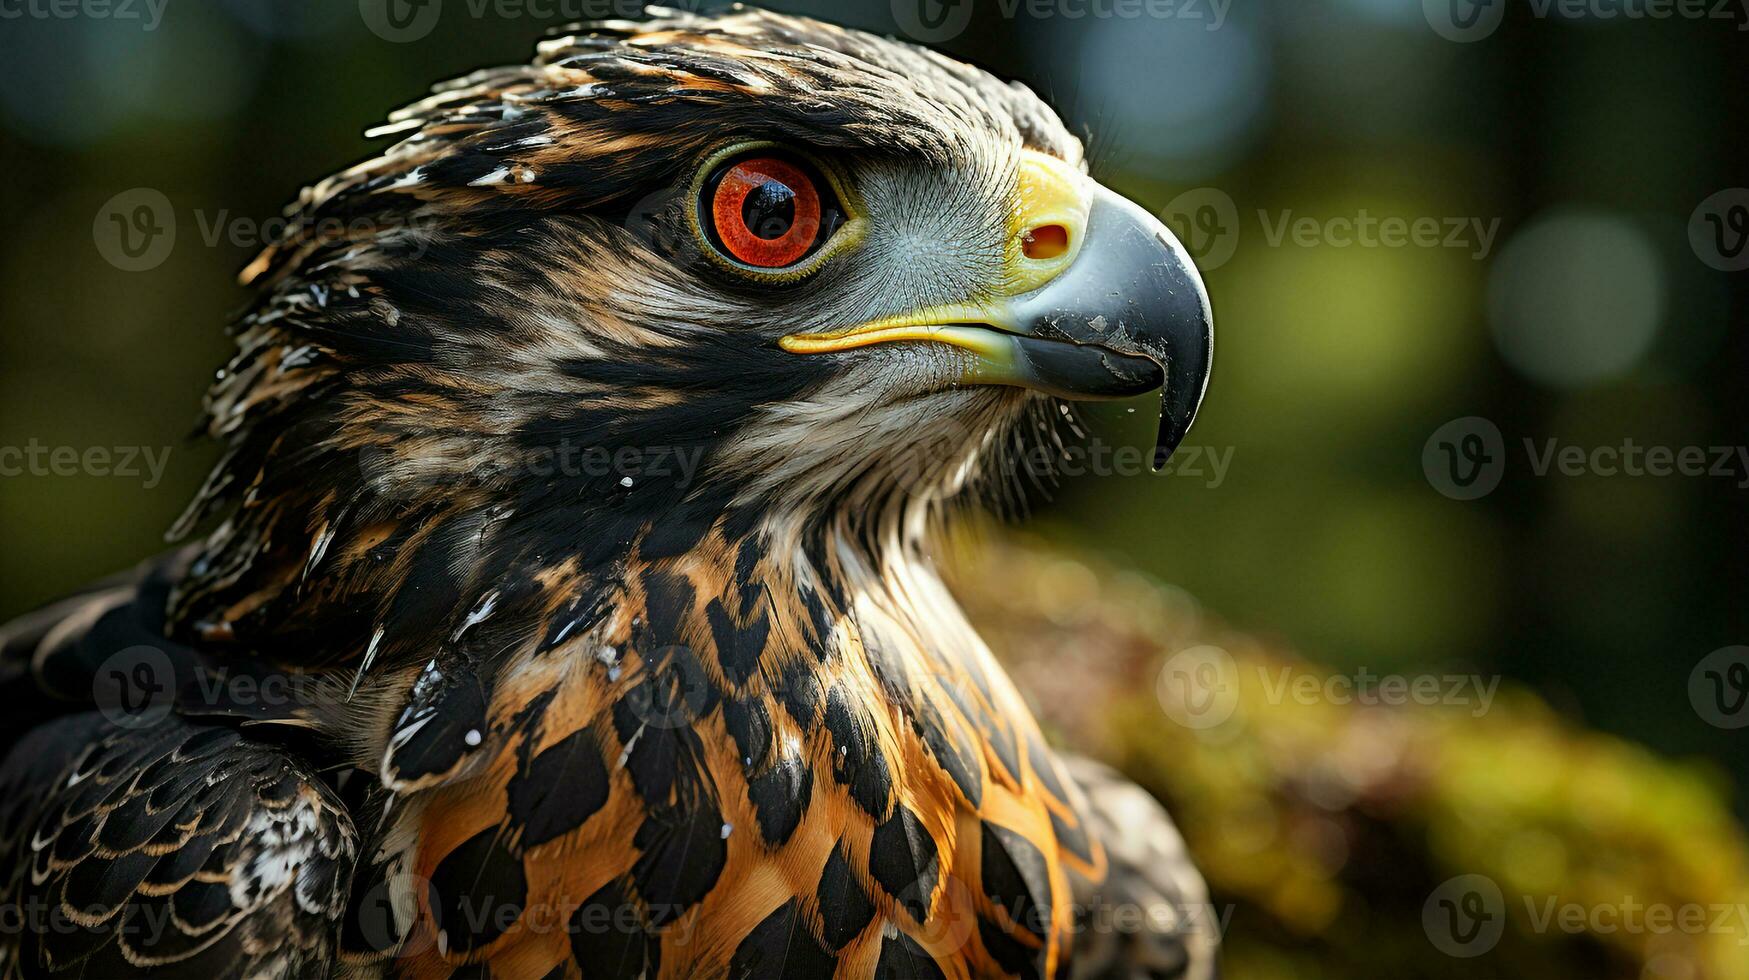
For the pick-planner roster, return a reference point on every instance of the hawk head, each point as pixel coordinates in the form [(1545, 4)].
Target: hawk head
[(744, 270)]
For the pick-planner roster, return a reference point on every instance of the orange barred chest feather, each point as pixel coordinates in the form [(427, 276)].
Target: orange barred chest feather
[(750, 774)]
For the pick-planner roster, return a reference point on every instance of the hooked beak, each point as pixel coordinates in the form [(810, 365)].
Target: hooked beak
[(1118, 311)]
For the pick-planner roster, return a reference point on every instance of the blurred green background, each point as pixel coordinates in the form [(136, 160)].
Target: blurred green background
[(1587, 314)]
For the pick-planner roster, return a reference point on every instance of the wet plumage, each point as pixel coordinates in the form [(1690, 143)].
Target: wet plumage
[(557, 613)]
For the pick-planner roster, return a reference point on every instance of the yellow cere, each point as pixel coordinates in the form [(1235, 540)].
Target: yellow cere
[(1051, 198)]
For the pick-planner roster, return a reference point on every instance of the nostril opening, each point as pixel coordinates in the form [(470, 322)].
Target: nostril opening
[(1046, 242)]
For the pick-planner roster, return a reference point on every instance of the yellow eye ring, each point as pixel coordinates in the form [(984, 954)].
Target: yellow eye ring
[(700, 215)]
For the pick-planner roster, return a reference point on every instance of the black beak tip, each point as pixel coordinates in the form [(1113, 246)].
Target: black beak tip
[(1188, 366), (1172, 433)]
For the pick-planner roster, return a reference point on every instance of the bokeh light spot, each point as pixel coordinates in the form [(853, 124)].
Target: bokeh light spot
[(1575, 298), (1213, 86)]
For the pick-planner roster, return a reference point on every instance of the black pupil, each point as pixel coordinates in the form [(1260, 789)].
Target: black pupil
[(769, 210)]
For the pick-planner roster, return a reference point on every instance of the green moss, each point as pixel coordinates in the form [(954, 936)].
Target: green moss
[(1327, 826)]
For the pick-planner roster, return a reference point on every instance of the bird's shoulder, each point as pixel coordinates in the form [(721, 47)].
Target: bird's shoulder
[(170, 847)]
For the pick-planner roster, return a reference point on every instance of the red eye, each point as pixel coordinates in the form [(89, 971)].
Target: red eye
[(767, 212)]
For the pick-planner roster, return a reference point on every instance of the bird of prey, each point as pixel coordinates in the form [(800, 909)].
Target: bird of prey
[(562, 604)]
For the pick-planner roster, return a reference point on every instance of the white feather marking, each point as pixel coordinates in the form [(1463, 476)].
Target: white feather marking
[(411, 178), (391, 128), (286, 842), (370, 656), (481, 613)]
